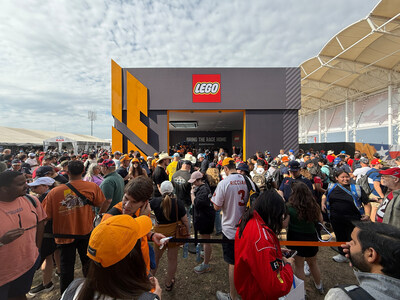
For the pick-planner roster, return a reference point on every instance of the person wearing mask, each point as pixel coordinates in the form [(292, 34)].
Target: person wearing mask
[(204, 215), (345, 202), (261, 271), (117, 269), (168, 211)]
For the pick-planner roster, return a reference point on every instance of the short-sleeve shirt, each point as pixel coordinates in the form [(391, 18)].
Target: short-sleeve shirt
[(171, 169), (360, 172), (231, 194), (180, 181), (17, 257), (159, 176), (373, 176), (342, 203), (155, 205), (123, 172), (113, 188), (66, 209)]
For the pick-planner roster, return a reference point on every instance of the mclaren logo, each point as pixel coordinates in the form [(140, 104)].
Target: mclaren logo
[(206, 88)]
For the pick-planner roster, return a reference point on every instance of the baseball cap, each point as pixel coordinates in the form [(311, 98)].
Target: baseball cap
[(285, 159), (187, 162), (195, 175), (176, 155), (337, 160), (156, 154), (375, 162), (43, 171), (200, 155), (364, 160), (294, 165), (243, 167), (15, 162), (105, 153), (113, 239), (166, 187), (84, 155), (124, 157), (392, 172), (134, 160), (227, 161), (42, 180), (31, 154), (117, 152), (107, 163), (342, 152), (291, 150)]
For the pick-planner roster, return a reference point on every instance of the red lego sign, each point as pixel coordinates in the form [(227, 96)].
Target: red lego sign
[(206, 87)]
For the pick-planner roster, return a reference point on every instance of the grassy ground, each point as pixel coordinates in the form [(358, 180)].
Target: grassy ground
[(190, 285)]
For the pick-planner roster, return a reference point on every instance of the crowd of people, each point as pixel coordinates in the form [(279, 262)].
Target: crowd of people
[(119, 211)]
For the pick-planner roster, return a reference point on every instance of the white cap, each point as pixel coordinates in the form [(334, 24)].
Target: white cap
[(166, 187), (42, 180)]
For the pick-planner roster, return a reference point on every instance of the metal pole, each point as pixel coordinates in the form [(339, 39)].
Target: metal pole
[(354, 122), (326, 127), (319, 125), (346, 112), (390, 130)]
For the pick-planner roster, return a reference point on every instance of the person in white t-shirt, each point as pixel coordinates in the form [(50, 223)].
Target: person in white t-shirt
[(364, 162), (231, 196)]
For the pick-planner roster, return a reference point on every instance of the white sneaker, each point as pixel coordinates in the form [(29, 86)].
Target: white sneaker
[(306, 269), (319, 287), (340, 258), (223, 296)]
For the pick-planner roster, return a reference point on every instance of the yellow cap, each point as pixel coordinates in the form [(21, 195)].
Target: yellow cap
[(227, 161), (113, 239)]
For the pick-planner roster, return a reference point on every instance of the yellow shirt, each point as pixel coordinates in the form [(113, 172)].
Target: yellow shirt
[(171, 169)]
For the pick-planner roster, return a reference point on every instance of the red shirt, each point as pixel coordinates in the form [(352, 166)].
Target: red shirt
[(259, 270), (330, 158)]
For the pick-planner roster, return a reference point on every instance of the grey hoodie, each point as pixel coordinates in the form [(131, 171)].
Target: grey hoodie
[(379, 286)]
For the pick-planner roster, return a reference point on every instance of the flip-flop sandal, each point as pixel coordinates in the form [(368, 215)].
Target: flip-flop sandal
[(168, 288)]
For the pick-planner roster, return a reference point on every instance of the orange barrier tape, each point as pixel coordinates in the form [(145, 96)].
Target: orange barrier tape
[(315, 244)]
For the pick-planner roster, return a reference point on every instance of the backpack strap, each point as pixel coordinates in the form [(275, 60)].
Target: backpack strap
[(29, 197), (72, 289), (355, 292), (85, 200)]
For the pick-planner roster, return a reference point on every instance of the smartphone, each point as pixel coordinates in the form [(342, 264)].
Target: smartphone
[(289, 254)]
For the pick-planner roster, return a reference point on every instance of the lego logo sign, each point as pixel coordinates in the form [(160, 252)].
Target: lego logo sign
[(206, 87)]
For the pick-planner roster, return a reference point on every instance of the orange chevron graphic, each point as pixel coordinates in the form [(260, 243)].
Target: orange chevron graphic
[(117, 137), (116, 91)]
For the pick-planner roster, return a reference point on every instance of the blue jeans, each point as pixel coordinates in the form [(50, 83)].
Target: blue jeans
[(218, 225)]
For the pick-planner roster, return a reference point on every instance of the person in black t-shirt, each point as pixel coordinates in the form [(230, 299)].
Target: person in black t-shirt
[(159, 174), (123, 168)]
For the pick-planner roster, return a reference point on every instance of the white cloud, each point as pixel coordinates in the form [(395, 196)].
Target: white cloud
[(55, 55)]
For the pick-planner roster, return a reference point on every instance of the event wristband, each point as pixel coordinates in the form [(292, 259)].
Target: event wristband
[(151, 236)]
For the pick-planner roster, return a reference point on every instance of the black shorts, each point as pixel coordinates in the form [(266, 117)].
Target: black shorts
[(49, 246), (21, 285), (303, 251), (229, 251)]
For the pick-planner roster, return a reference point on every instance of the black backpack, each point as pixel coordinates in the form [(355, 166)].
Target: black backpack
[(355, 292)]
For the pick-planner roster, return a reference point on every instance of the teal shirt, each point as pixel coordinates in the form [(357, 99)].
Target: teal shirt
[(113, 188), (299, 225)]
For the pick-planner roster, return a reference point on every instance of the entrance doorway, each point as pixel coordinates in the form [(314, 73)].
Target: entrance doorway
[(207, 129)]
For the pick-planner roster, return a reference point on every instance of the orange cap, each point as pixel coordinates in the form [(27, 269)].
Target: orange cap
[(124, 157), (134, 160), (113, 239), (285, 159), (227, 160)]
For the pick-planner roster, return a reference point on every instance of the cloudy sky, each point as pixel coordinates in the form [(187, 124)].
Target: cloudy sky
[(55, 55)]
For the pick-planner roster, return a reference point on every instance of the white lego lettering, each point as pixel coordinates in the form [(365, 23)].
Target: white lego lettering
[(206, 88)]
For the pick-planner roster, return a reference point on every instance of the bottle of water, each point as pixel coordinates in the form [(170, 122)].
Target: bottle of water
[(185, 250), (198, 249)]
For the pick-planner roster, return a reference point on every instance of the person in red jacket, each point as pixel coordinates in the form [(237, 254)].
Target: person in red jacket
[(261, 272)]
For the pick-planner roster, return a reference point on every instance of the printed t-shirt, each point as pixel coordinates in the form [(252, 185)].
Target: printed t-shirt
[(380, 213), (373, 176), (66, 209), (171, 169), (17, 257), (180, 181), (231, 194)]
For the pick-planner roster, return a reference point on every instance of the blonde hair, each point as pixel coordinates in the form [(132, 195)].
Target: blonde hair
[(166, 205), (89, 175)]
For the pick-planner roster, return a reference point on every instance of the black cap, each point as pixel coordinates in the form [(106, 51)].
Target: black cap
[(294, 166), (243, 167), (44, 170)]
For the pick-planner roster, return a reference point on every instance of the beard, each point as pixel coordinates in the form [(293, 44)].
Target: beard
[(358, 261)]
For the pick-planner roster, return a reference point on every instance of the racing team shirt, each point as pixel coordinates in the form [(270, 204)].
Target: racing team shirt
[(231, 194), (380, 213)]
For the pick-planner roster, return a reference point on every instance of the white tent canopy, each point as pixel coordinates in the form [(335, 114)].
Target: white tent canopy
[(28, 137)]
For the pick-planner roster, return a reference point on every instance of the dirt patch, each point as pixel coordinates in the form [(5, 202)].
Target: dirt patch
[(190, 285)]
